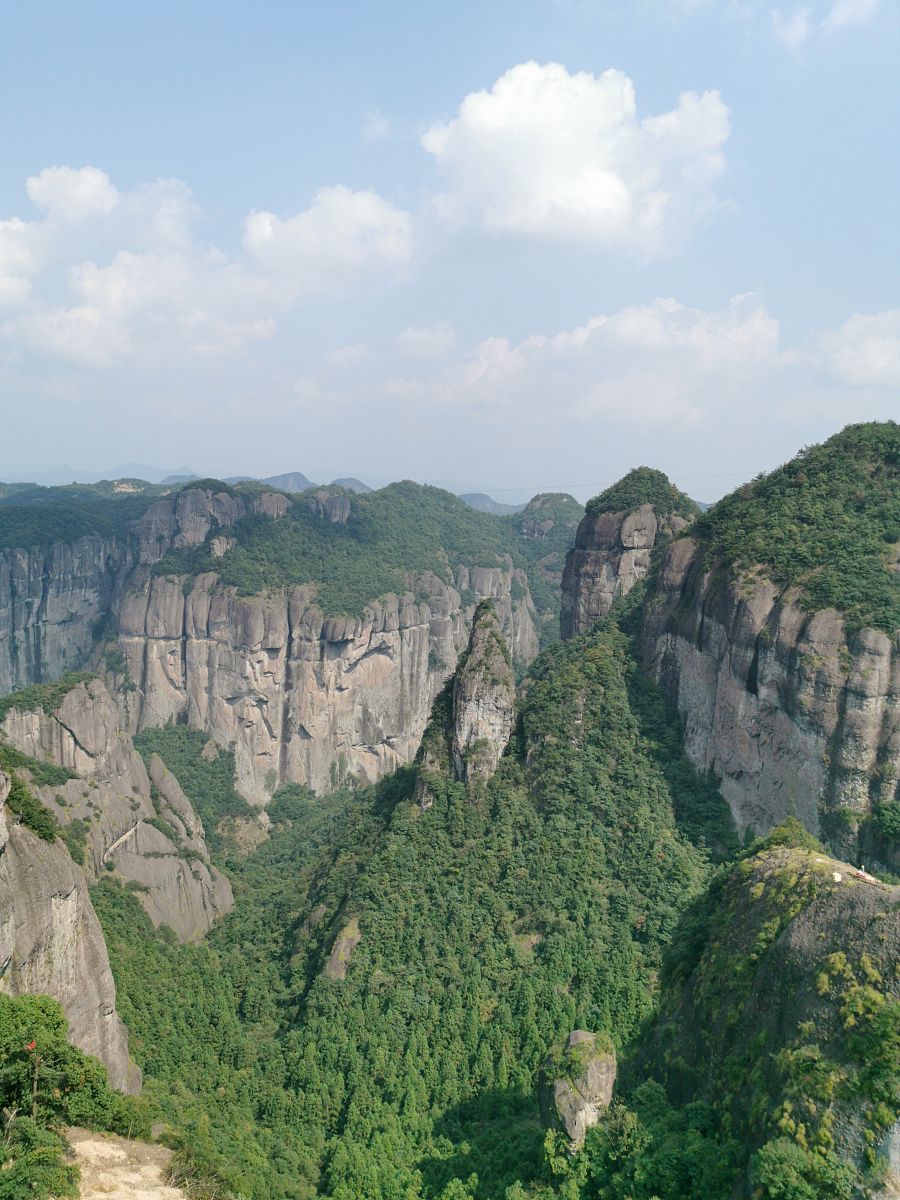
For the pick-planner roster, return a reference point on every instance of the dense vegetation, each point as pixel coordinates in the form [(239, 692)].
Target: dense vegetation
[(206, 777), (46, 1084), (361, 1026), (828, 522), (38, 516), (401, 530), (754, 1086), (643, 485)]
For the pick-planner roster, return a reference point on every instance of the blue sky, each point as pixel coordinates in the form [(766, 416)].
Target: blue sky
[(442, 241)]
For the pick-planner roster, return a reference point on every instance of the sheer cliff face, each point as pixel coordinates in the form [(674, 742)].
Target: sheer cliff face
[(611, 554), (51, 942), (304, 698), (140, 825), (50, 603), (796, 716)]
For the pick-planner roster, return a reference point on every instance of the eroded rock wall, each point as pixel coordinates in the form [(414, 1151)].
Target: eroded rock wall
[(305, 698), (140, 824), (51, 942), (611, 554), (794, 714)]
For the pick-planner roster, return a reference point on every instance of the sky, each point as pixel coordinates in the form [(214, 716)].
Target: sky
[(510, 246)]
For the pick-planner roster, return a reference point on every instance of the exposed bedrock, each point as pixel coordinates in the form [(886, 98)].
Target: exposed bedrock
[(794, 714), (611, 554), (140, 824), (51, 943), (302, 697)]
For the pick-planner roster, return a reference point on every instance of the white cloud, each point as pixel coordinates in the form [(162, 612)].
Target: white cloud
[(667, 373), (865, 350), (554, 154), (73, 194), (427, 342), (339, 237), (846, 13), (105, 277), (791, 30)]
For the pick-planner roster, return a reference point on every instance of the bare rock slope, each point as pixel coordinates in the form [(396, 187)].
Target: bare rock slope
[(51, 942), (137, 823)]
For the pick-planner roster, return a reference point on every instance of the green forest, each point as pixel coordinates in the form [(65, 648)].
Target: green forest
[(547, 903), (372, 1019), (828, 523)]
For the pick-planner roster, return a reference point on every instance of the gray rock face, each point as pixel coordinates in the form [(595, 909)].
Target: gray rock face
[(51, 942), (611, 554), (574, 1100), (151, 836), (797, 717), (50, 603), (484, 701), (305, 698)]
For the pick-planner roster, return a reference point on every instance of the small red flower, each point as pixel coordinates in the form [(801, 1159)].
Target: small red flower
[(30, 1045)]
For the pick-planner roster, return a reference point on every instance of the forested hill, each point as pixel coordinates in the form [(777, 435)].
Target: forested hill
[(827, 522)]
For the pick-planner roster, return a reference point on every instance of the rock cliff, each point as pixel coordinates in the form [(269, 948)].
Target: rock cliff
[(302, 697), (614, 544), (796, 714), (122, 818), (51, 942), (577, 1085)]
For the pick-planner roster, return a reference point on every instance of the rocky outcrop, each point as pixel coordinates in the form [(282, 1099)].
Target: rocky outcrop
[(796, 953), (141, 825), (577, 1085), (51, 942), (184, 520), (484, 701), (302, 697), (795, 715), (611, 554)]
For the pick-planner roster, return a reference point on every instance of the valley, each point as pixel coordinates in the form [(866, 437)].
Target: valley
[(327, 818)]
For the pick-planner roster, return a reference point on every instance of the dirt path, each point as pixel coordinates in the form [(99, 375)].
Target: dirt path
[(114, 1168)]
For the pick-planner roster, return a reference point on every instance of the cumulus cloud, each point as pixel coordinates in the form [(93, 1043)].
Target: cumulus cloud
[(666, 376), (348, 356), (865, 350), (432, 341), (73, 194), (794, 29), (104, 277), (339, 237), (562, 155)]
